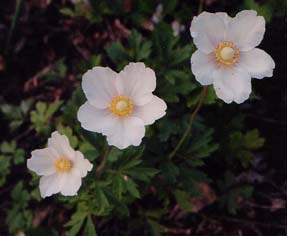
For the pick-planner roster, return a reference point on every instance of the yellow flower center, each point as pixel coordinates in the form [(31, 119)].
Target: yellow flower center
[(226, 53), (63, 165), (121, 106)]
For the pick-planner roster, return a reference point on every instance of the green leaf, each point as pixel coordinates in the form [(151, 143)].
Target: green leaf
[(19, 156), (142, 173), (102, 201), (252, 140), (136, 50), (180, 55), (117, 52), (211, 97), (232, 192), (203, 145), (163, 41), (190, 178), (114, 154), (89, 229), (131, 164), (19, 217), (40, 117), (69, 133), (170, 171), (4, 169), (76, 222), (41, 107), (68, 12), (77, 217), (8, 148), (76, 227), (52, 108), (118, 186), (14, 115), (132, 188), (183, 199), (169, 6), (89, 151), (71, 108), (12, 152), (265, 9), (156, 228), (139, 50), (174, 75)]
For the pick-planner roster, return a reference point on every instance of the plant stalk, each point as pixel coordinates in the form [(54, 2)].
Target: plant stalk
[(19, 4), (105, 155), (192, 116), (200, 7)]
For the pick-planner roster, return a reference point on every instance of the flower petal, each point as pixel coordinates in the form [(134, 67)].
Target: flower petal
[(207, 30), (138, 82), (93, 119), (82, 164), (232, 85), (73, 182), (224, 16), (151, 111), (42, 161), (51, 184), (202, 66), (246, 30), (258, 63), (61, 145), (99, 86), (128, 131)]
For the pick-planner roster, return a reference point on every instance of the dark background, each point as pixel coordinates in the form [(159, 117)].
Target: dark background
[(42, 36)]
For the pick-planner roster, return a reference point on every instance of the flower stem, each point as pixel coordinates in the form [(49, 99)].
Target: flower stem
[(105, 155), (19, 4), (192, 116), (200, 7)]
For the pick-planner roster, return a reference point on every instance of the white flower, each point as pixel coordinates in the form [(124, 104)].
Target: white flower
[(61, 167), (156, 17), (226, 55), (120, 104), (177, 27)]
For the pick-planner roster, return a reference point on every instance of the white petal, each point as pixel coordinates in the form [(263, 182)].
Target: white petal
[(128, 131), (232, 85), (138, 82), (61, 144), (42, 161), (82, 164), (99, 86), (73, 182), (152, 111), (224, 16), (258, 63), (246, 30), (93, 119), (207, 30), (51, 184), (203, 66)]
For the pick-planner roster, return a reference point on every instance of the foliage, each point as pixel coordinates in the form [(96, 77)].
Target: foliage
[(268, 9), (40, 118), (9, 155), (19, 216)]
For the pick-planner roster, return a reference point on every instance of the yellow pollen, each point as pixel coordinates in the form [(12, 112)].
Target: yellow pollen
[(63, 165), (121, 106), (226, 53)]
